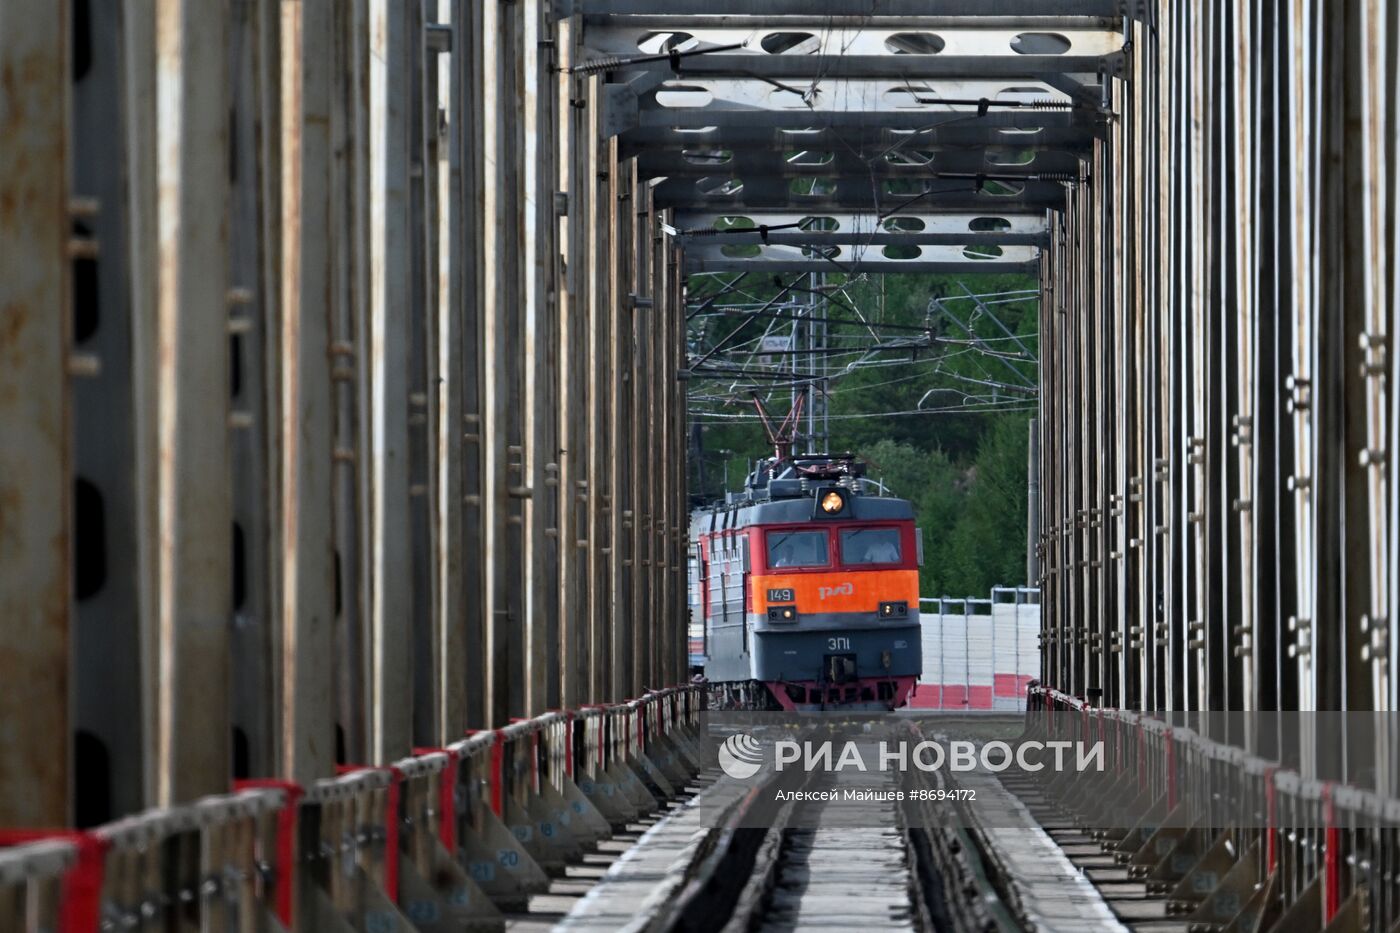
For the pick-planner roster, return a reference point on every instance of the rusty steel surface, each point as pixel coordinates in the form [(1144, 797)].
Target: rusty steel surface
[(1233, 278), (35, 498), (356, 411), (192, 366), (308, 576), (339, 344)]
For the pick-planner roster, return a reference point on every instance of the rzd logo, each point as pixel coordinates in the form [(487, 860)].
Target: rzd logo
[(842, 589), (740, 756)]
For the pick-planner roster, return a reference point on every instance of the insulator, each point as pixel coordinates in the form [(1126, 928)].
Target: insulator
[(598, 65), (1048, 103)]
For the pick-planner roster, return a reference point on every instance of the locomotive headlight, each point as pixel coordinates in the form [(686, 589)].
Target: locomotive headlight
[(782, 613), (832, 502)]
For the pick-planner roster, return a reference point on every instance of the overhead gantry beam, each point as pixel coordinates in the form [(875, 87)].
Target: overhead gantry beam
[(854, 258), (793, 228), (855, 9), (722, 193), (908, 161), (799, 134), (912, 103), (808, 47), (886, 111)]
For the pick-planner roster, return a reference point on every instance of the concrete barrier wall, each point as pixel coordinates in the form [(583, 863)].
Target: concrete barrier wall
[(979, 653)]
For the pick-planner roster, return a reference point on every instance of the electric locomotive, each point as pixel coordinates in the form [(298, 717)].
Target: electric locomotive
[(805, 590)]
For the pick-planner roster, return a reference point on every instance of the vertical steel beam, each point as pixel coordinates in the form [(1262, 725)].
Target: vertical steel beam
[(194, 506), (663, 618), (105, 650), (35, 482), (1199, 615), (1360, 321), (307, 611), (634, 260), (469, 65), (600, 489), (389, 654), (423, 144), (496, 244), (1374, 189), (1299, 382), (680, 478), (139, 87), (620, 374), (452, 650), (541, 621), (575, 142), (666, 618), (1241, 637), (254, 232), (500, 314), (349, 171)]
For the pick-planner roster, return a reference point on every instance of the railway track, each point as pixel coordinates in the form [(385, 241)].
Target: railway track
[(788, 857), (835, 876), (785, 855)]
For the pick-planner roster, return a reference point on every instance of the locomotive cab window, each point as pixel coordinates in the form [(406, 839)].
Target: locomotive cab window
[(797, 549), (871, 546)]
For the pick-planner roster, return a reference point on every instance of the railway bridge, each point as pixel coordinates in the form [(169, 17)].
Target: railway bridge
[(345, 350)]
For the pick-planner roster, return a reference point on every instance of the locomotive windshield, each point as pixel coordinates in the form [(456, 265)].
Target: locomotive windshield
[(797, 549), (870, 546)]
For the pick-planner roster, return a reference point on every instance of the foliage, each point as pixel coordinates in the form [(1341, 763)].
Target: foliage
[(942, 421)]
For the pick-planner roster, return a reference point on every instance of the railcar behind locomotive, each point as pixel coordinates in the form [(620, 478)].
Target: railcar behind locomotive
[(805, 590)]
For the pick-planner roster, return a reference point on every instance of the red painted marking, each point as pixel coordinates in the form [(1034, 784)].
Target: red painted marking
[(1010, 685), (286, 843), (569, 744), (391, 824), (80, 906), (926, 696)]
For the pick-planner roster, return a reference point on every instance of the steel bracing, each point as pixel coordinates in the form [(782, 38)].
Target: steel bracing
[(345, 355)]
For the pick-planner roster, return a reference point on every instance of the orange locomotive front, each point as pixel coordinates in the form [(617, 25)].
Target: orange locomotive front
[(806, 591)]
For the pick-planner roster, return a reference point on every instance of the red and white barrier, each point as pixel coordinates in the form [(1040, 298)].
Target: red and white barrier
[(447, 838), (1222, 833), (978, 654)]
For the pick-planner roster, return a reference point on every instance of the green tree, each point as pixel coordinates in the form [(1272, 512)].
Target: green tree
[(926, 384), (987, 546)]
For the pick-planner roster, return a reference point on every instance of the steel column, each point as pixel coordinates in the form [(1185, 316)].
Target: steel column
[(35, 485), (389, 654)]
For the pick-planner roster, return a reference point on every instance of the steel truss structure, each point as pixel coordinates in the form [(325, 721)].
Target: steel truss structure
[(338, 403), (1218, 498), (339, 346)]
